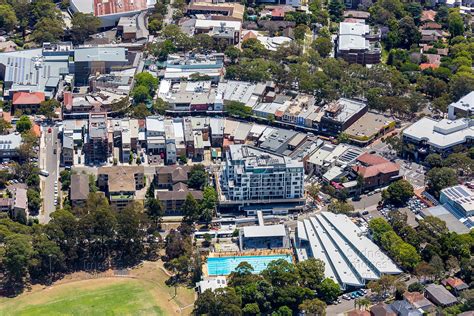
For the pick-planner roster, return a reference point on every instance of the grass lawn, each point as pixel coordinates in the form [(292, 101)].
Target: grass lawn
[(145, 294)]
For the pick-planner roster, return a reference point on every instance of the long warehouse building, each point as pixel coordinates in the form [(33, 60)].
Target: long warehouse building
[(351, 259)]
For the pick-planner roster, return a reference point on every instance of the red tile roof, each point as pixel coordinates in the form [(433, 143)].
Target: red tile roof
[(370, 159), (26, 98), (428, 15), (428, 65), (373, 165), (358, 312)]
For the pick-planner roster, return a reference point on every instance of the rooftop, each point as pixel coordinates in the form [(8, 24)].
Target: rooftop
[(79, 186), (106, 7), (264, 231), (27, 98), (452, 223), (369, 125), (343, 109), (442, 134), (111, 54), (440, 293), (121, 178)]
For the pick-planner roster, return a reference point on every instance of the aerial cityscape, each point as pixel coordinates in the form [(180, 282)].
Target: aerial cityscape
[(205, 157)]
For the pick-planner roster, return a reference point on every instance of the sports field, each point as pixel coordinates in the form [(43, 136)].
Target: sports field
[(144, 294)]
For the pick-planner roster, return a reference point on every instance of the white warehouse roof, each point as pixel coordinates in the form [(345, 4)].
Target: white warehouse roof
[(350, 258), (264, 231)]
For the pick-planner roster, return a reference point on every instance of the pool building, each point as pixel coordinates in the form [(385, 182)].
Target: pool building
[(351, 259)]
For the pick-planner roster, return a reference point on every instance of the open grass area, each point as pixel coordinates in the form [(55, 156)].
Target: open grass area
[(144, 294)]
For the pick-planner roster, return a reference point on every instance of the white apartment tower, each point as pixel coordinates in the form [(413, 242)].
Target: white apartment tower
[(252, 174)]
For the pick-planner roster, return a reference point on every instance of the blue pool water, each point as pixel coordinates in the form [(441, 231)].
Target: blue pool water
[(225, 265)]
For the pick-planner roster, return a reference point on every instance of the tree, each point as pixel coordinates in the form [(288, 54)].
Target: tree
[(48, 30), (399, 192), (313, 191), (8, 20), (205, 303), (46, 255), (456, 23), (233, 53), (23, 124), (283, 311), (323, 46), (339, 207), (416, 287), (197, 177), (311, 272), (336, 10), (208, 204), (440, 178), (147, 80), (48, 107), (15, 261), (83, 26), (280, 273), (155, 211), (235, 108), (300, 31), (190, 209), (140, 94), (328, 290), (130, 234), (385, 285), (34, 200), (434, 160), (160, 106), (378, 227), (313, 307), (408, 32)]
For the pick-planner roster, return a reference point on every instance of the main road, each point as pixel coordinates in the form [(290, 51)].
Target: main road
[(49, 161)]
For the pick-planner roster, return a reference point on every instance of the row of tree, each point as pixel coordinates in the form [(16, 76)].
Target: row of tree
[(92, 237)]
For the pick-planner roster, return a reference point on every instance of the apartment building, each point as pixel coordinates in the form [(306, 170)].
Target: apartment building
[(462, 108), (96, 148), (120, 183), (358, 43), (252, 174)]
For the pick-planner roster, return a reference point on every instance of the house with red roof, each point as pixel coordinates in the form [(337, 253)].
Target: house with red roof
[(375, 170), (27, 101)]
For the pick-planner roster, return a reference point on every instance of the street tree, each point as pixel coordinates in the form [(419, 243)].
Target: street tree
[(328, 290), (399, 192), (83, 26), (314, 307)]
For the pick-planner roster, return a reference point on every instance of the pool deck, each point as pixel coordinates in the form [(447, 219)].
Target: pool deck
[(259, 252)]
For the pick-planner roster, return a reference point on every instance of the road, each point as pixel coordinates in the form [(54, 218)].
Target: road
[(49, 161)]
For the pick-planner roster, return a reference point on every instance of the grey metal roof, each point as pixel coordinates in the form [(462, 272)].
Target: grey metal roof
[(118, 54)]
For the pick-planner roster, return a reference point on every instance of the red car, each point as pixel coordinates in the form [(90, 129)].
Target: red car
[(49, 130)]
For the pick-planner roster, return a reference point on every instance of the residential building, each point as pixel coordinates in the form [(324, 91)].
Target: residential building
[(217, 131), (375, 171), (155, 136), (419, 302), (428, 135), (120, 183), (341, 114), (351, 259), (189, 96), (96, 147), (253, 174), (79, 189), (167, 176), (174, 199), (20, 202), (382, 309), (9, 145), (358, 43), (464, 107), (439, 295), (94, 60), (329, 156), (456, 285)]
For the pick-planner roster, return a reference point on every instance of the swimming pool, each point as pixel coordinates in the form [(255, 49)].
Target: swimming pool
[(226, 265)]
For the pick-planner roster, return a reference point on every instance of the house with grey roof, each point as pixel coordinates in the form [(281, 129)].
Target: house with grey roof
[(439, 295), (79, 189), (9, 145)]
